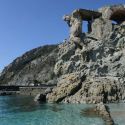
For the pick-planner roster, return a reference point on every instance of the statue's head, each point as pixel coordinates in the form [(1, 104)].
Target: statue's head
[(66, 18)]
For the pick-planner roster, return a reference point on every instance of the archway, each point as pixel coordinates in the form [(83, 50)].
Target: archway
[(86, 26)]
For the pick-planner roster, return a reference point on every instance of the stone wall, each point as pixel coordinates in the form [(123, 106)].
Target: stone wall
[(33, 91)]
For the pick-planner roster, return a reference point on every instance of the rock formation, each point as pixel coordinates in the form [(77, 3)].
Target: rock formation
[(74, 21), (103, 111), (97, 55), (88, 67), (35, 67), (40, 98)]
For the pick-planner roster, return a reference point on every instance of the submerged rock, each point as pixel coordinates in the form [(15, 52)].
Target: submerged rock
[(100, 110), (104, 112)]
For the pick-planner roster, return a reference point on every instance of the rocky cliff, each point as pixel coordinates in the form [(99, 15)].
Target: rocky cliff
[(88, 67), (91, 66), (33, 67)]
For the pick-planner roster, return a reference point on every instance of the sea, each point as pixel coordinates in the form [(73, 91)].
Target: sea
[(22, 110)]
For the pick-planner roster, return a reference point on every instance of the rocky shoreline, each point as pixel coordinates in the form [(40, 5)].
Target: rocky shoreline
[(98, 56), (87, 67)]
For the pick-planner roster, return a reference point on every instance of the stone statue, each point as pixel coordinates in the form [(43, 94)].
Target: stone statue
[(74, 21)]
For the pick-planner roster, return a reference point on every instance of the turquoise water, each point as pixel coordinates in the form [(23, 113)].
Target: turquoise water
[(20, 110)]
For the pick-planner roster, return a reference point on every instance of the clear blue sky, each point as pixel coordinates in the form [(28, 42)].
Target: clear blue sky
[(26, 24)]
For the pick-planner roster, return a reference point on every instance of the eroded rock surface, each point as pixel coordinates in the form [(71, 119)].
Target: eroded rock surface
[(101, 59), (67, 85), (97, 90)]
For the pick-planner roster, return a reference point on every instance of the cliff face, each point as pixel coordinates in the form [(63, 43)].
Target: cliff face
[(91, 66), (94, 73), (88, 67), (33, 67)]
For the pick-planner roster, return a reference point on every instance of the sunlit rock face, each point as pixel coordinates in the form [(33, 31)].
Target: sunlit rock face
[(99, 55)]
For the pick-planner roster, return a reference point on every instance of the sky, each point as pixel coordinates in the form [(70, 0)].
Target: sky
[(27, 24)]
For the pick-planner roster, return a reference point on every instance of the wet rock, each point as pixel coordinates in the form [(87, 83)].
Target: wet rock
[(40, 98), (104, 112), (100, 110)]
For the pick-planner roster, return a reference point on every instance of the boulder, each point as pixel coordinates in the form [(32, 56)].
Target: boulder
[(67, 85), (40, 98)]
